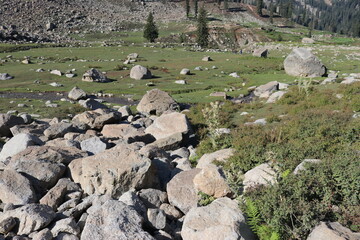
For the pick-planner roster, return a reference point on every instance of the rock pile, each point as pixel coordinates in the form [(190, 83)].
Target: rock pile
[(112, 174)]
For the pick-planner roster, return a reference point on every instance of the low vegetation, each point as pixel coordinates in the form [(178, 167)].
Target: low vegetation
[(319, 125)]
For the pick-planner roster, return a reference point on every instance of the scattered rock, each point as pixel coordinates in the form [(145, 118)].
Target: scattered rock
[(96, 119), (91, 104), (234, 75), (8, 121), (55, 196), (219, 156), (56, 72), (307, 41), (302, 63), (156, 217), (93, 145), (7, 225), (221, 219), (181, 190), (185, 71), (183, 82), (77, 94), (15, 188), (17, 144), (266, 88), (103, 173), (155, 102), (58, 130), (206, 59), (30, 218), (260, 175), (301, 166), (55, 84), (169, 124), (133, 200), (5, 76), (133, 56), (152, 198), (261, 52), (211, 180), (139, 72), (66, 225), (333, 231), (94, 75), (114, 218), (275, 96)]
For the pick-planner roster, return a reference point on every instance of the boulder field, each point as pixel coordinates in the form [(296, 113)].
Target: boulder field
[(109, 174)]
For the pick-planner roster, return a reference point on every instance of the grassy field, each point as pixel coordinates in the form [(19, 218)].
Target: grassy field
[(164, 63)]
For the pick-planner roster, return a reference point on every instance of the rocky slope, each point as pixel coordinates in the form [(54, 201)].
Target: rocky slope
[(44, 20)]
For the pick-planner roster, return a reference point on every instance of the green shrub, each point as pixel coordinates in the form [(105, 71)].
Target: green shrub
[(324, 192)]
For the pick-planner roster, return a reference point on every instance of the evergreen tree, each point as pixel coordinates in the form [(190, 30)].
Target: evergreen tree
[(150, 31), (202, 29), (196, 7), (259, 6), (187, 7)]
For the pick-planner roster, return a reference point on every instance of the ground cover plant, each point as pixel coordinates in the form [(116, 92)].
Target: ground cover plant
[(314, 126)]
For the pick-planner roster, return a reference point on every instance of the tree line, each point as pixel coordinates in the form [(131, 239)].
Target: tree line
[(342, 16)]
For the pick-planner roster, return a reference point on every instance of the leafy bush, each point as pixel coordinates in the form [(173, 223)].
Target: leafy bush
[(324, 192)]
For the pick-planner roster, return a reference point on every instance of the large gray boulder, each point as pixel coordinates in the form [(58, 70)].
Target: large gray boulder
[(114, 220), (332, 231), (17, 144), (113, 171), (181, 190), (8, 121), (302, 63), (30, 218), (15, 188), (169, 124), (222, 219), (139, 72), (77, 94), (94, 75), (156, 102)]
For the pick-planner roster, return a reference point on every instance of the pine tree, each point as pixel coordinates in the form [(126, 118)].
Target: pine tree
[(202, 29), (150, 31), (187, 7), (259, 6), (196, 7)]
